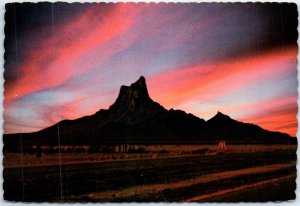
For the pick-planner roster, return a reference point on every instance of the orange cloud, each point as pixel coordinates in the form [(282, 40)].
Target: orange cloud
[(283, 120)]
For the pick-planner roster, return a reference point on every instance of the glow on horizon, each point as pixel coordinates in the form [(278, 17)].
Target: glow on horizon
[(194, 59), (199, 89)]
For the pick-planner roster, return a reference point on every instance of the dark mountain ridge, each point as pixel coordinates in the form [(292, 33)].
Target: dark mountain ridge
[(134, 118), (233, 130)]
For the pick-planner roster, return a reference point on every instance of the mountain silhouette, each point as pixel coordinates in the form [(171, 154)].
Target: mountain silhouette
[(223, 126), (134, 105), (134, 118)]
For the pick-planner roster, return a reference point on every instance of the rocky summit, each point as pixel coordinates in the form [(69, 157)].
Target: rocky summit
[(134, 105)]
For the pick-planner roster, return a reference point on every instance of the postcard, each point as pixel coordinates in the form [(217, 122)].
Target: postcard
[(150, 102)]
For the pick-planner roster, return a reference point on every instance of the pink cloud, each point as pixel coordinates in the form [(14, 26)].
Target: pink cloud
[(55, 59), (206, 82)]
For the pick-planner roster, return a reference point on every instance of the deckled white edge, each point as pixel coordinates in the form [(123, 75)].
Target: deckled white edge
[(2, 23)]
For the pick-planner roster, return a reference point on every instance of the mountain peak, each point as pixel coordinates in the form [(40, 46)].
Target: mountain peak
[(139, 88), (220, 116), (133, 95), (141, 82)]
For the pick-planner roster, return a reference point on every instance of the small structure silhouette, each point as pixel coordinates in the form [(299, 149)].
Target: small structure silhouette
[(222, 145)]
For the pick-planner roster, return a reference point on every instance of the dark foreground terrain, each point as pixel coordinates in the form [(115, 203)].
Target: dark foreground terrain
[(266, 191), (219, 177)]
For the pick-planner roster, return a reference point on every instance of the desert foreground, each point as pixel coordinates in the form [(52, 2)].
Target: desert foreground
[(154, 173)]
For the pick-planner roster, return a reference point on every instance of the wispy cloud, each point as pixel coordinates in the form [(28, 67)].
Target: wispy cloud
[(197, 57)]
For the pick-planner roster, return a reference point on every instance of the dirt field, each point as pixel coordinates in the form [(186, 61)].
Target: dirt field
[(164, 173), (15, 160)]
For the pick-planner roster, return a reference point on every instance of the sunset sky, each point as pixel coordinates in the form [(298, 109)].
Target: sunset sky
[(65, 61)]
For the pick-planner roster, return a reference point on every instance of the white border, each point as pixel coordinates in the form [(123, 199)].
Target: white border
[(2, 23)]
